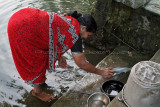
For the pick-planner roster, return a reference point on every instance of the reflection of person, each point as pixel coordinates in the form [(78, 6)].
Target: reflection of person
[(32, 33)]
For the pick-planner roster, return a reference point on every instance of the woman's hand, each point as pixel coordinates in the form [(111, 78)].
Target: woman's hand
[(62, 63), (107, 72)]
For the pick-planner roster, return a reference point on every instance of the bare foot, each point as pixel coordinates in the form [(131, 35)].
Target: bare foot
[(43, 96)]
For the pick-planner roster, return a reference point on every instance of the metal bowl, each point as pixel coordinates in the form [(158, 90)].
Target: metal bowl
[(112, 88), (98, 99)]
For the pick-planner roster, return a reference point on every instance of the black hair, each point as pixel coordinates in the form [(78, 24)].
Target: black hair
[(85, 20)]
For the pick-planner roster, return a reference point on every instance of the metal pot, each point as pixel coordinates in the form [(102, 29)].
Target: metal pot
[(112, 88), (98, 99)]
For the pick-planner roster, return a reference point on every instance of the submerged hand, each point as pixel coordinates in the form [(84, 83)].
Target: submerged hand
[(107, 72), (62, 63)]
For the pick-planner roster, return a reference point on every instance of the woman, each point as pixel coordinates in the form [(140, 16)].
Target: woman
[(38, 39)]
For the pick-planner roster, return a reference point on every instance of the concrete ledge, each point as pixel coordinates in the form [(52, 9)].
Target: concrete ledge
[(133, 3), (153, 6), (150, 5)]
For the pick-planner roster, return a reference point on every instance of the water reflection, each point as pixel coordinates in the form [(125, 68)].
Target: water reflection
[(13, 90)]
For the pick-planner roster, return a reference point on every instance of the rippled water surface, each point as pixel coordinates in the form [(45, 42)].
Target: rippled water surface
[(13, 90)]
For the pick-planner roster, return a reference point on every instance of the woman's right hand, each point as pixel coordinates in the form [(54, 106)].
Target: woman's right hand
[(107, 72)]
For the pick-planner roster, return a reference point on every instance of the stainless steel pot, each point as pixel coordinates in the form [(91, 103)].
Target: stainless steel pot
[(98, 99)]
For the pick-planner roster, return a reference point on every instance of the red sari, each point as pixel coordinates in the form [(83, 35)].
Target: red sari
[(28, 32)]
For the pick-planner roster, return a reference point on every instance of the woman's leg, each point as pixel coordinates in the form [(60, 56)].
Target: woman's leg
[(42, 95)]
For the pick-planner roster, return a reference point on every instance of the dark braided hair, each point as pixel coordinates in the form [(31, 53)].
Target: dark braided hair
[(85, 20)]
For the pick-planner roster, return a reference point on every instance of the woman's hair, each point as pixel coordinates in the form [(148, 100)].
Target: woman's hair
[(85, 20)]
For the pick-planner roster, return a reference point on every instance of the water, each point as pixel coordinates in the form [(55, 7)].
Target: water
[(13, 90), (121, 69)]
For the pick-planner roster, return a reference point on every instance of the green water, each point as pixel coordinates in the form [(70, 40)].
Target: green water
[(13, 91)]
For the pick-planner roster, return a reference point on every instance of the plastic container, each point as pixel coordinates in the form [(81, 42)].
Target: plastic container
[(143, 86)]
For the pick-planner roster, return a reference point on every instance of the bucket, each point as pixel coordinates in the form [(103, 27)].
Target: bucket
[(143, 85)]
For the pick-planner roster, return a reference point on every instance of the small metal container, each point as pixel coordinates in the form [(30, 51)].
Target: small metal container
[(98, 99)]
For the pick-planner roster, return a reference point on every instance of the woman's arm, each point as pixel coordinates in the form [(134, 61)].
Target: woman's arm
[(80, 60)]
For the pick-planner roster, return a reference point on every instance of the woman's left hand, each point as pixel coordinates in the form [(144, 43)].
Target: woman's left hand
[(62, 63)]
